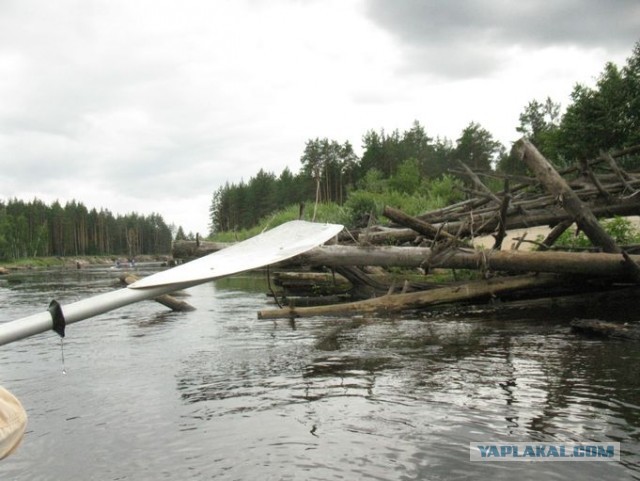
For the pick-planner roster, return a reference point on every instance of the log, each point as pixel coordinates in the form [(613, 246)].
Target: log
[(620, 174), (165, 299), (591, 298), (310, 283), (570, 201), (418, 225), (478, 183), (309, 279), (488, 222), (184, 249), (364, 286), (527, 209), (555, 234), (620, 153), (439, 215), (417, 300), (596, 264), (502, 225), (556, 185), (596, 327), (306, 301), (388, 236)]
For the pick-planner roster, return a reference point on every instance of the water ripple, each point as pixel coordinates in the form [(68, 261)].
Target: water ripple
[(216, 393)]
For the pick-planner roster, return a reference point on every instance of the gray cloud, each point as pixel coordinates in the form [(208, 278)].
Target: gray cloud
[(114, 102), (468, 38)]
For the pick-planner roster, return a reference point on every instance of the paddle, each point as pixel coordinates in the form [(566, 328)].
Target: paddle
[(280, 243)]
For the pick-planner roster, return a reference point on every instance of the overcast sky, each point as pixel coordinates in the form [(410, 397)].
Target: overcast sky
[(150, 106)]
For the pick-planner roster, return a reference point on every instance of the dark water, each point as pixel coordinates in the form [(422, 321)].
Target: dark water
[(218, 394)]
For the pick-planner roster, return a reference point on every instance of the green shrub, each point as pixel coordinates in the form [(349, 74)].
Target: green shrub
[(443, 190), (361, 205), (620, 228), (373, 181)]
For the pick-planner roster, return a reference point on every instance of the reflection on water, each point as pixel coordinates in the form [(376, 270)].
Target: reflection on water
[(216, 393)]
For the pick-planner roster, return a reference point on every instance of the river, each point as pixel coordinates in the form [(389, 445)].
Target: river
[(145, 393)]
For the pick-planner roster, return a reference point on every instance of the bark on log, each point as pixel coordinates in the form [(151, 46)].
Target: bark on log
[(388, 236), (478, 183), (620, 174), (502, 225), (581, 213), (444, 213), (569, 200), (591, 298), (363, 285), (418, 225), (297, 280), (487, 223), (308, 301), (417, 300), (555, 234), (596, 327), (184, 249), (165, 299), (310, 283), (590, 264)]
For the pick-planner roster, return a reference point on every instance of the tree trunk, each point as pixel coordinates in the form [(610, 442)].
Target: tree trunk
[(416, 224), (555, 234), (488, 222), (478, 183), (556, 186), (587, 263), (596, 327), (186, 249), (417, 300), (580, 212)]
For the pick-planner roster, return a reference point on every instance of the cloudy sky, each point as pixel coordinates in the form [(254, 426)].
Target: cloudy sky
[(151, 105)]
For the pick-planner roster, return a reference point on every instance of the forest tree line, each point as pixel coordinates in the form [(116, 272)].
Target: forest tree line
[(34, 229), (600, 118)]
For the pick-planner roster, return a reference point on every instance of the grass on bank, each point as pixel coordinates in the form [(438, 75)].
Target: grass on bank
[(331, 213), (33, 262), (68, 261)]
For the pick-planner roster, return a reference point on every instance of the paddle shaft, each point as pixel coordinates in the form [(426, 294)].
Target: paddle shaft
[(84, 309), (280, 243)]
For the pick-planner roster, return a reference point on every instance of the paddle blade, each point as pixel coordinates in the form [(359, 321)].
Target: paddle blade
[(278, 244)]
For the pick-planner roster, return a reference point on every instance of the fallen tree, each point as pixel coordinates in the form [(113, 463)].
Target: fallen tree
[(596, 327), (416, 300), (597, 264), (486, 223), (582, 200), (546, 200), (582, 194), (566, 197)]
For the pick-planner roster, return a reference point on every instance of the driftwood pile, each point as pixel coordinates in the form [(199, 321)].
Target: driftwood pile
[(442, 239)]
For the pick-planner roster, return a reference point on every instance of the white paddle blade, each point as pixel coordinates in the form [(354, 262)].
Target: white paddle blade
[(278, 244)]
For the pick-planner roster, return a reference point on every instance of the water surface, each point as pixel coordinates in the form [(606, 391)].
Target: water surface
[(218, 394)]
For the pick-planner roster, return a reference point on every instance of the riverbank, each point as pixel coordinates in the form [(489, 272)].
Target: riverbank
[(72, 262)]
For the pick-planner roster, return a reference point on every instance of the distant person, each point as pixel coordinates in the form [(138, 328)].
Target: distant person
[(13, 421)]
